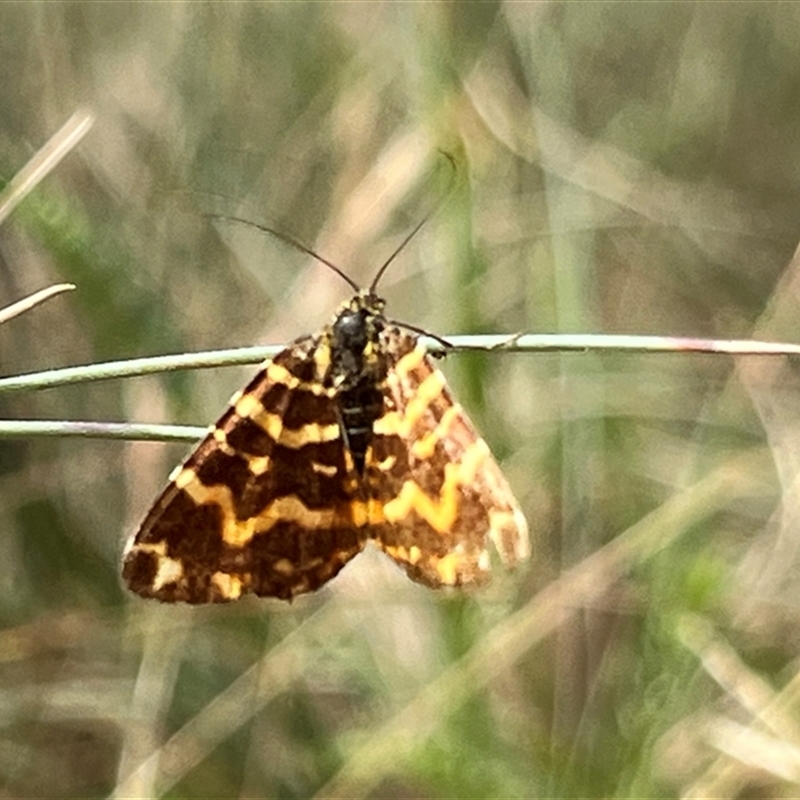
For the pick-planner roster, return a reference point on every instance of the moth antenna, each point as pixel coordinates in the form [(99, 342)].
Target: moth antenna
[(286, 239), (454, 171), (392, 257)]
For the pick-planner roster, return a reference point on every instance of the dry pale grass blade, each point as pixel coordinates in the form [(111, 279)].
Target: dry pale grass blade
[(772, 740), (615, 343), (32, 300), (755, 750), (529, 343), (725, 666), (45, 160), (750, 757)]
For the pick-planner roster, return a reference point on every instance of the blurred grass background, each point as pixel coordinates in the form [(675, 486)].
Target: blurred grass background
[(624, 168)]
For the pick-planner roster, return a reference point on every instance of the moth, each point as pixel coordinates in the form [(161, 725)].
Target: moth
[(347, 436)]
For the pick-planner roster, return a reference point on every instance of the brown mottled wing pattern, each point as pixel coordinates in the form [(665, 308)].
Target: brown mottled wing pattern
[(269, 501), (436, 494)]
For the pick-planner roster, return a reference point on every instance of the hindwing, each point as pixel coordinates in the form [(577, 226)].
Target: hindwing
[(436, 494)]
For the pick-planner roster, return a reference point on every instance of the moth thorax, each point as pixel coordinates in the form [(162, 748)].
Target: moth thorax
[(355, 343)]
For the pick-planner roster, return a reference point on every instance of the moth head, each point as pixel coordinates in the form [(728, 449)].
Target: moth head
[(358, 323)]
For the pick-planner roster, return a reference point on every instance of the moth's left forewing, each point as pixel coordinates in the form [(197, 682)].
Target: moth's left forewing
[(437, 495), (266, 504)]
